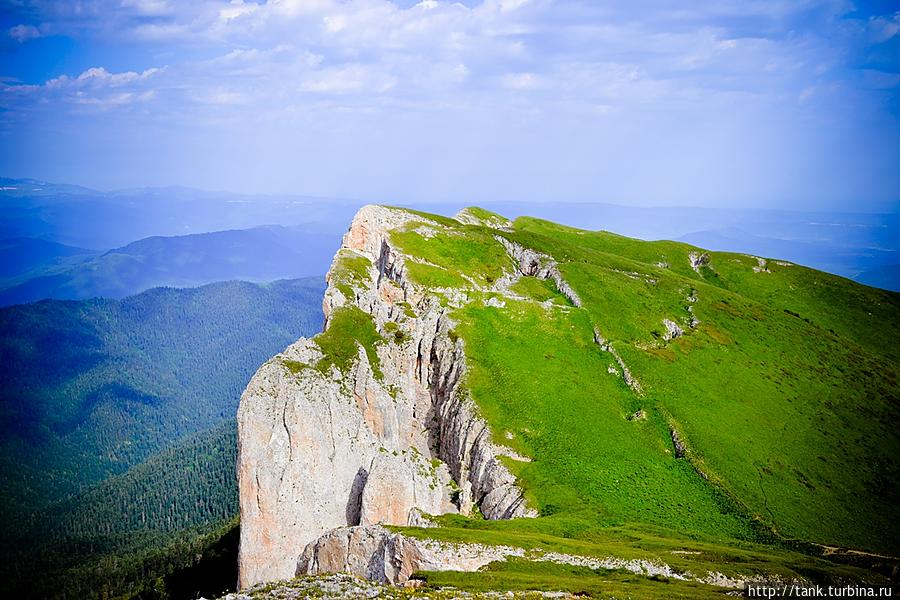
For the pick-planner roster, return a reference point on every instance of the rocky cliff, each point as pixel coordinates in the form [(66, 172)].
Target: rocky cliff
[(377, 433), (632, 380)]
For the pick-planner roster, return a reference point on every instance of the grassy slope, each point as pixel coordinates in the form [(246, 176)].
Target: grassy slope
[(786, 394)]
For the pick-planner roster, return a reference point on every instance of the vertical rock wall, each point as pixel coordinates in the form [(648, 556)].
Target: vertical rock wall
[(323, 451)]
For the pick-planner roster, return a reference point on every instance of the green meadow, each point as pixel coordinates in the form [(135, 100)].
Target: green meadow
[(782, 387)]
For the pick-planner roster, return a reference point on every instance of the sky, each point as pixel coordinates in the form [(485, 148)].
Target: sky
[(727, 103)]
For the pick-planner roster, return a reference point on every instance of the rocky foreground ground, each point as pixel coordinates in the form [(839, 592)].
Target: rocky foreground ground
[(346, 587)]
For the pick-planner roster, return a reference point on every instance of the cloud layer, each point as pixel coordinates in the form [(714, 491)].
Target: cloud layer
[(723, 102)]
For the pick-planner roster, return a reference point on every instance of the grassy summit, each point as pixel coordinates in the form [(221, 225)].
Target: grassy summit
[(780, 384)]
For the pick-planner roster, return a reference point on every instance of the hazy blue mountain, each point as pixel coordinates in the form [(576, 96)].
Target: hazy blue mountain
[(103, 220), (856, 251), (846, 243), (19, 256), (258, 254)]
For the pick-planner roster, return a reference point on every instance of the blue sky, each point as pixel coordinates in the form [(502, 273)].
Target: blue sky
[(781, 103)]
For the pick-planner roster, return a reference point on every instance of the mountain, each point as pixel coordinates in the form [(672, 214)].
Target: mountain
[(259, 254), (99, 220), (19, 256), (844, 243), (102, 403), (870, 260), (499, 405)]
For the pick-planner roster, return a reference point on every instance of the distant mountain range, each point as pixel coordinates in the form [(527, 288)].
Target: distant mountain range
[(861, 246), (36, 269), (86, 218)]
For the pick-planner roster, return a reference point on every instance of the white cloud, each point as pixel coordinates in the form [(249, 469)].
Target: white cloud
[(520, 81), (886, 27), (100, 77), (348, 79), (23, 33), (470, 74)]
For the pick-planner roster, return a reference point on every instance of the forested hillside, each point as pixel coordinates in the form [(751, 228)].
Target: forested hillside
[(90, 390), (128, 535)]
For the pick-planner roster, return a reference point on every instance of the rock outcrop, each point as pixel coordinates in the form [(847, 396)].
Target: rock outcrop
[(374, 553), (383, 441)]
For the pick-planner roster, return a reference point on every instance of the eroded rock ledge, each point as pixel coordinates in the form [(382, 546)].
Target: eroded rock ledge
[(321, 450)]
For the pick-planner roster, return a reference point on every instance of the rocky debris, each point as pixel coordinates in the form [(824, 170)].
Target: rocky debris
[(692, 298), (383, 556), (662, 264), (761, 267), (781, 263), (636, 276), (680, 448), (741, 583), (535, 264), (640, 415), (672, 330), (630, 379), (693, 322), (495, 302), (510, 453), (493, 221), (637, 566), (698, 259), (323, 451)]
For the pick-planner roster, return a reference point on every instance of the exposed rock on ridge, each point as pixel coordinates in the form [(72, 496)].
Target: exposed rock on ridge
[(319, 451), (535, 264)]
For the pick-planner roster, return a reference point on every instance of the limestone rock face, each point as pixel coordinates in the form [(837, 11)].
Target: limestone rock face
[(324, 450), (375, 553)]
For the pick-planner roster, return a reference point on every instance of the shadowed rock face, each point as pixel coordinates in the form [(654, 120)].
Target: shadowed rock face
[(320, 451)]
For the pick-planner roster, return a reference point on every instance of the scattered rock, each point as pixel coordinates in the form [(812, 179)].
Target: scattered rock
[(606, 346), (534, 264), (680, 448), (672, 330), (698, 259), (761, 266), (495, 302)]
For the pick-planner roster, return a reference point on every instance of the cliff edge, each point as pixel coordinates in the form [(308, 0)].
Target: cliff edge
[(365, 423)]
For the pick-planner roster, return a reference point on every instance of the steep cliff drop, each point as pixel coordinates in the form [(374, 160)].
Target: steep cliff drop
[(365, 424)]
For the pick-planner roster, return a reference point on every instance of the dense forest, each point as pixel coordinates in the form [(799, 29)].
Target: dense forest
[(117, 443), (127, 535)]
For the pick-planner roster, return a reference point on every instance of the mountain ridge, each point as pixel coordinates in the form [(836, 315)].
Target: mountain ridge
[(258, 254), (523, 310)]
